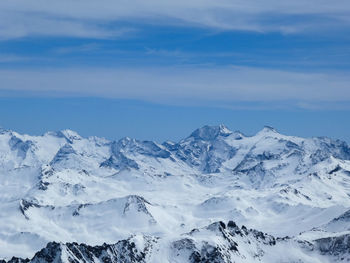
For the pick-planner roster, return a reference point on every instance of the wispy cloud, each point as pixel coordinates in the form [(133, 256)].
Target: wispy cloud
[(90, 47), (19, 24), (9, 58), (183, 84), (94, 19)]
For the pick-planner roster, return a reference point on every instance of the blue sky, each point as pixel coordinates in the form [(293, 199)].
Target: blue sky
[(73, 64), (116, 118)]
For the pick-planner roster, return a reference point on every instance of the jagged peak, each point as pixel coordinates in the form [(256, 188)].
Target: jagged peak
[(13, 134), (136, 199), (67, 134), (71, 135), (3, 130), (209, 133), (125, 141), (134, 146)]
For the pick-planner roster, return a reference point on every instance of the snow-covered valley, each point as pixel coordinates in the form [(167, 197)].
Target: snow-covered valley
[(203, 199)]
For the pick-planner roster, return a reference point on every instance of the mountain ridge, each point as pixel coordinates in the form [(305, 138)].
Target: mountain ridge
[(65, 188)]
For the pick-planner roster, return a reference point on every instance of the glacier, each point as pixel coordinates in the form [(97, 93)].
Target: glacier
[(215, 196)]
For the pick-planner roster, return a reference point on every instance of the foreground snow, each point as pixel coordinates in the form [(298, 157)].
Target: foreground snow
[(166, 202)]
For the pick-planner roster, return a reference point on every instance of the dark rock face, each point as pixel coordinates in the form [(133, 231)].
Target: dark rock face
[(20, 146), (119, 161), (16, 260), (124, 251), (328, 147), (345, 217), (205, 148), (336, 169), (51, 253), (120, 149), (209, 133), (138, 202), (188, 248), (221, 252), (147, 148), (231, 244), (69, 136), (24, 205), (63, 154), (46, 172), (335, 246)]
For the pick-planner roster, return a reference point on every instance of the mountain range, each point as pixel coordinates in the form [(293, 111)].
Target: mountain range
[(215, 196)]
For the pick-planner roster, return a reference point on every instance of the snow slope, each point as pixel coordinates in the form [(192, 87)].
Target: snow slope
[(63, 188)]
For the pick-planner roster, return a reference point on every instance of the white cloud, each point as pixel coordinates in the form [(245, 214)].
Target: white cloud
[(6, 58), (182, 84), (88, 18), (22, 24)]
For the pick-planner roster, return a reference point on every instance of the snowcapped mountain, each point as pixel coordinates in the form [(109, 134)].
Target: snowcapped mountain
[(65, 198)]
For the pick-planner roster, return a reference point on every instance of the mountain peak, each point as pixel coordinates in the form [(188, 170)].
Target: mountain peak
[(209, 133), (67, 134), (71, 135), (7, 131), (267, 130)]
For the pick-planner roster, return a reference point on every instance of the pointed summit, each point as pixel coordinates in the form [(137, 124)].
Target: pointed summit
[(208, 133), (267, 130), (125, 141), (67, 134), (71, 135), (3, 131)]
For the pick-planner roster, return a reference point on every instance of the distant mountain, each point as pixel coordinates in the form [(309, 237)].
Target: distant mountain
[(68, 197)]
